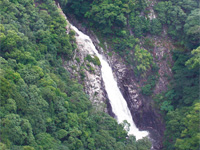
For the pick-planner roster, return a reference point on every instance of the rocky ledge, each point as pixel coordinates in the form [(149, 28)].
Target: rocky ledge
[(144, 114), (87, 73)]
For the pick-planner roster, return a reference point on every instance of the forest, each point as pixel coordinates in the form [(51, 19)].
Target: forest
[(43, 108)]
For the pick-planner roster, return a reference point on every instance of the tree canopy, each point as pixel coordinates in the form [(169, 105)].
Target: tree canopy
[(41, 106)]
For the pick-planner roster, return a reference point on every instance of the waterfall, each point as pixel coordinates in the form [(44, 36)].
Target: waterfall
[(117, 101)]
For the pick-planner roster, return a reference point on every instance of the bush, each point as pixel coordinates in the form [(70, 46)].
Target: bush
[(156, 27), (146, 89), (94, 60)]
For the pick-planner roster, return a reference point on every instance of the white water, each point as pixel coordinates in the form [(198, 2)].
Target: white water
[(117, 101)]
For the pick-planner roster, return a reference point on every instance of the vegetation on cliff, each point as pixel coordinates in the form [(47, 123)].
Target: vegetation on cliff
[(41, 107), (125, 23)]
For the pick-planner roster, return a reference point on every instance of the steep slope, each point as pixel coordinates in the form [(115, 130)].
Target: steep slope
[(86, 68), (146, 42), (41, 106)]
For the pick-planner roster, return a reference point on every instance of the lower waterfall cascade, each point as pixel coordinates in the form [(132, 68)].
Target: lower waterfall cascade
[(116, 99)]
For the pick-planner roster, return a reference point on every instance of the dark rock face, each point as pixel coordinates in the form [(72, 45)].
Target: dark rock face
[(145, 116)]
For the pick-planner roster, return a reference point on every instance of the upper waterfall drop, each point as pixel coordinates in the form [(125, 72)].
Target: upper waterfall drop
[(117, 101)]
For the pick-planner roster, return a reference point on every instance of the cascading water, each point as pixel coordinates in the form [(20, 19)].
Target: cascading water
[(117, 101)]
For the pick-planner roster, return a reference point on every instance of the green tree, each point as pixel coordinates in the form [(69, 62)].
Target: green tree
[(156, 27), (11, 40), (192, 28), (194, 61), (143, 60), (190, 136), (46, 141), (17, 130)]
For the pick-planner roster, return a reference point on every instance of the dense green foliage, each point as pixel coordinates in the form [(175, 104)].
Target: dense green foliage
[(41, 107), (113, 17), (114, 21), (180, 103), (147, 89), (143, 59), (182, 19)]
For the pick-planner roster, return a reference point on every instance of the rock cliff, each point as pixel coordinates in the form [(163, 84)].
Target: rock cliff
[(86, 72), (144, 114)]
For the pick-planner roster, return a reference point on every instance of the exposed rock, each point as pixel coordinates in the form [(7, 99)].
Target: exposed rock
[(163, 57), (91, 79), (151, 4), (145, 116), (93, 83)]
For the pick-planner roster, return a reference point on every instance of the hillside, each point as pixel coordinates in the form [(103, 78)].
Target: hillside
[(52, 92), (158, 41), (42, 107)]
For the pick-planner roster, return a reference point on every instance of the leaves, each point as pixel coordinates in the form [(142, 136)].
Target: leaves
[(17, 130), (180, 18), (192, 27), (190, 136), (194, 61), (143, 60)]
